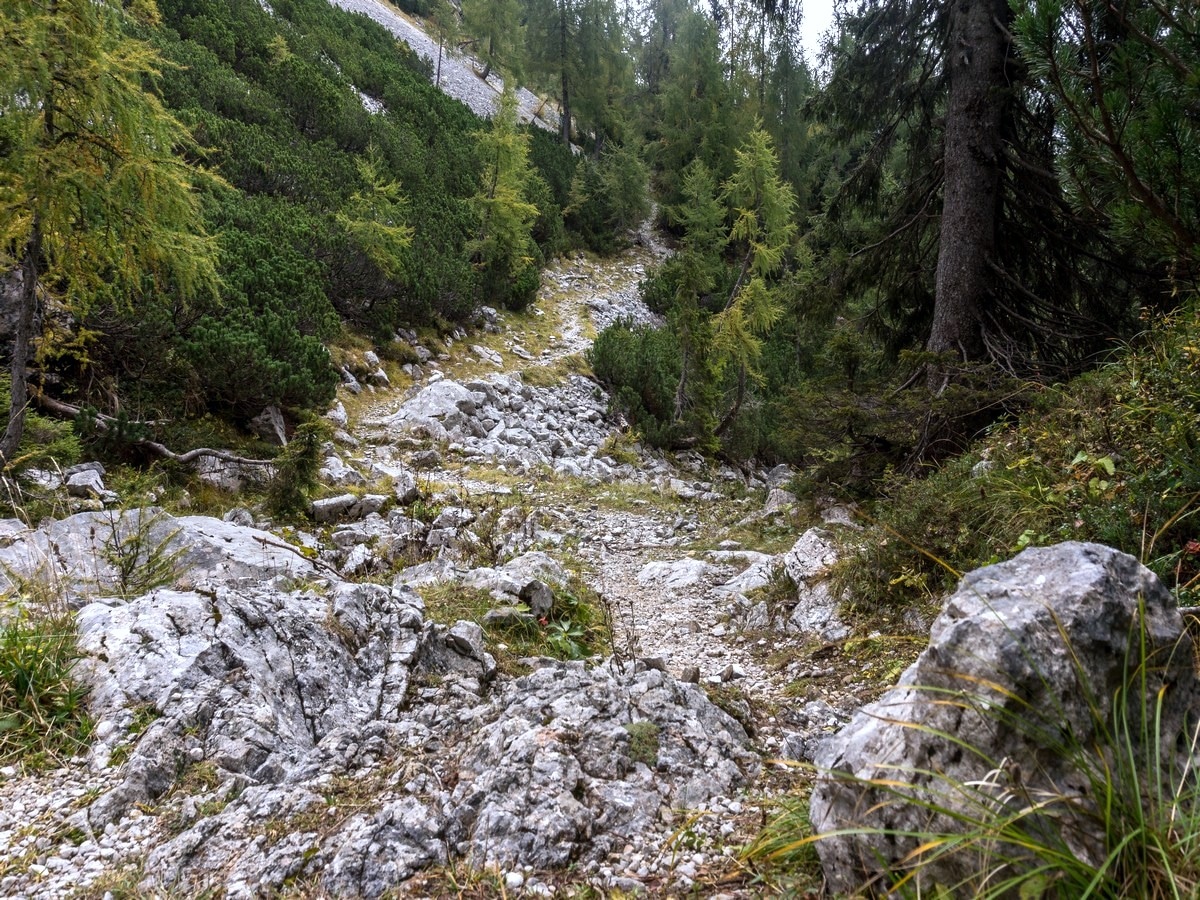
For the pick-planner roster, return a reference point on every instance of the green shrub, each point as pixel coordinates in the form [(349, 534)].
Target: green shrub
[(296, 469), (641, 366), (1110, 457), (45, 444)]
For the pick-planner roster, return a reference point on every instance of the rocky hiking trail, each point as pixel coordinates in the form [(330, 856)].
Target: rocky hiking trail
[(337, 710)]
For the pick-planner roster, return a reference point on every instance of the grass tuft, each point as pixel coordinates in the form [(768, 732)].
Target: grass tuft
[(43, 712)]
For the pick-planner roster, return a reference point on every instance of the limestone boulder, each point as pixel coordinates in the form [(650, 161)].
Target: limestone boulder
[(1009, 706)]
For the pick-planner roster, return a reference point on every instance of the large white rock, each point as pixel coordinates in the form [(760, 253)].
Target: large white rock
[(676, 574), (1045, 642)]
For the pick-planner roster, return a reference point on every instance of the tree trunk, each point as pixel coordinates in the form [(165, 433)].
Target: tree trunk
[(682, 385), (738, 399), (566, 86), (20, 348), (975, 107)]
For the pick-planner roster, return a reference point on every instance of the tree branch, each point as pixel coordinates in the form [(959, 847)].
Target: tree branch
[(105, 423)]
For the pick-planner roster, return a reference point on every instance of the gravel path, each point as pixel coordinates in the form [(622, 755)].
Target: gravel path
[(459, 78), (670, 601)]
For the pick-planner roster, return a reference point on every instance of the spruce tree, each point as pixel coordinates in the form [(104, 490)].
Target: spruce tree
[(955, 156)]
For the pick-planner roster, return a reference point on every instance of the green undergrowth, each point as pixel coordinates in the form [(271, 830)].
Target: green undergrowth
[(577, 627), (1112, 457), (43, 707)]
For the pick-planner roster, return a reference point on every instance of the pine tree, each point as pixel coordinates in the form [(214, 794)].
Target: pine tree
[(1122, 77), (95, 204)]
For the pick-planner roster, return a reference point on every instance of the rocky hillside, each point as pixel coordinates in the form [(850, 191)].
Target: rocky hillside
[(325, 710)]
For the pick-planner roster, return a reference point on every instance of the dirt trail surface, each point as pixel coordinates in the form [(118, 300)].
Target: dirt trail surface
[(651, 534)]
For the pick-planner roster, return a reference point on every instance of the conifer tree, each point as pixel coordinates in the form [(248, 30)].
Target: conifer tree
[(375, 218), (698, 261), (496, 27), (958, 156), (1123, 77), (762, 206), (444, 18), (96, 207), (504, 249)]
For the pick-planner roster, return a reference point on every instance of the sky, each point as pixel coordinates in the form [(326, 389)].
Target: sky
[(817, 17)]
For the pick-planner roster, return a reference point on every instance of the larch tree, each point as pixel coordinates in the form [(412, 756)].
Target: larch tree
[(96, 204), (504, 249), (376, 217), (575, 48), (443, 15), (762, 206), (551, 34)]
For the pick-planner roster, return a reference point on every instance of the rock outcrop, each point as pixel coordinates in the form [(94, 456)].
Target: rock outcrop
[(293, 727), (504, 420), (1005, 709)]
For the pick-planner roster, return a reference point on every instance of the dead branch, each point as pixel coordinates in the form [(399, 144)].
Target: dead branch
[(105, 423)]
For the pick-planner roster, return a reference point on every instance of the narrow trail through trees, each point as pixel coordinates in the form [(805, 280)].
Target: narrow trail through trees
[(649, 546)]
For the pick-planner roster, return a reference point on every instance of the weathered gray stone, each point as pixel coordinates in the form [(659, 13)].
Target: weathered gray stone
[(538, 597), (807, 564), (337, 415), (79, 553), (778, 500), (676, 574), (453, 517), (330, 509), (507, 617), (239, 516), (550, 779), (89, 484), (335, 471), (1031, 653), (440, 399), (368, 504), (270, 426), (255, 676)]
